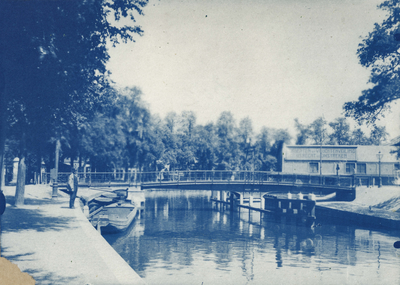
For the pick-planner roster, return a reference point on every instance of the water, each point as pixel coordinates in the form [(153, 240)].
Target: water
[(181, 239)]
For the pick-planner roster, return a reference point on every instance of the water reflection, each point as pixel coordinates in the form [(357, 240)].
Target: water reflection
[(182, 238)]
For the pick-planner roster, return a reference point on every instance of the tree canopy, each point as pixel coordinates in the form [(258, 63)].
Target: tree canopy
[(338, 133), (53, 57), (379, 52)]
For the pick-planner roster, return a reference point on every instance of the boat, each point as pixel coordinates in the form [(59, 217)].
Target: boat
[(302, 209), (111, 212)]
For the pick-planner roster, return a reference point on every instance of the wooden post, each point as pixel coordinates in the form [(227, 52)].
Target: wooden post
[(55, 184), (262, 202)]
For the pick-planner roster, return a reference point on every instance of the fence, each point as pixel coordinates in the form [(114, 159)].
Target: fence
[(263, 177)]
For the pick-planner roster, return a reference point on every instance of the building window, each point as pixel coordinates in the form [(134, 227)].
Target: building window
[(397, 166), (361, 168), (314, 167), (350, 168)]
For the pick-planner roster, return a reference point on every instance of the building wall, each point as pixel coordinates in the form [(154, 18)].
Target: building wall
[(363, 159)]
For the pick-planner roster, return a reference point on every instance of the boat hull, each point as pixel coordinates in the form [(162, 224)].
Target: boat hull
[(111, 212), (114, 217), (300, 210)]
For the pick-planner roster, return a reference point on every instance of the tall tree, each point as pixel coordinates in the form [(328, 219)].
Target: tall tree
[(281, 137), (318, 131), (53, 57), (379, 52), (378, 135), (206, 143), (341, 132), (245, 137), (227, 152), (303, 132), (358, 137)]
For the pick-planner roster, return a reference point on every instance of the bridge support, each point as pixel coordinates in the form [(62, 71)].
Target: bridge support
[(262, 202), (224, 195), (251, 199)]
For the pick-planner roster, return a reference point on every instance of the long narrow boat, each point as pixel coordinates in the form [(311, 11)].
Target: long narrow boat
[(111, 211)]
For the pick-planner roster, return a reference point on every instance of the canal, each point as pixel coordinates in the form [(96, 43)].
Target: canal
[(182, 238)]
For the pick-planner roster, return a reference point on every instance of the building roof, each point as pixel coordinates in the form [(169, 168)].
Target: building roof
[(362, 153), (370, 153)]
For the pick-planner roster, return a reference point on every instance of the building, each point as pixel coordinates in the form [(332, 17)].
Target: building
[(340, 159)]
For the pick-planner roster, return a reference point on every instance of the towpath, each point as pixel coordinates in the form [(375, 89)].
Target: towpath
[(58, 245)]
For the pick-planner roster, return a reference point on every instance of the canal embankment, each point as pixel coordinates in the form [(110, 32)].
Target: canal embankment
[(58, 245), (373, 206)]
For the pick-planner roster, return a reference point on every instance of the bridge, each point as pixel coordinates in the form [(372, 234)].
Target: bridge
[(237, 181)]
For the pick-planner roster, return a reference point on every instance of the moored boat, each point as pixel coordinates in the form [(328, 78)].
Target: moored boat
[(111, 211), (303, 210)]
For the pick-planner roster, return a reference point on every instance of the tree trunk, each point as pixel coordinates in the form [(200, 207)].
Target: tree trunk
[(3, 122), (2, 166), (20, 189)]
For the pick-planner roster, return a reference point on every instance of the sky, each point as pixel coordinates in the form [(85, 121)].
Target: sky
[(271, 60)]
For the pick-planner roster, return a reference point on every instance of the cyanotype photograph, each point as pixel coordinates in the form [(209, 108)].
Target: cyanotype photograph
[(199, 142)]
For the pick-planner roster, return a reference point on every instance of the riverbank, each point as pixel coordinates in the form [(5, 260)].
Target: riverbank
[(58, 245), (373, 206)]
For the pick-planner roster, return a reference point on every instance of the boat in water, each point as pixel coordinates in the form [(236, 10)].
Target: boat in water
[(300, 209), (111, 211)]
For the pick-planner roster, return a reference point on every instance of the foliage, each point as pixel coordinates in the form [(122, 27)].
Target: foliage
[(53, 57), (341, 130), (378, 135), (379, 52), (339, 133)]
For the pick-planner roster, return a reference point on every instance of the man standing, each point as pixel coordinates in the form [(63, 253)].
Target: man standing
[(72, 188)]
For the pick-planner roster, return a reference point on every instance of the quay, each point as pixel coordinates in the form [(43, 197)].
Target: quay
[(57, 245), (377, 207)]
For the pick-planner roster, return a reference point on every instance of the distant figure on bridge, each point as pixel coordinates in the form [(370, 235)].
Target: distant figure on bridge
[(72, 186)]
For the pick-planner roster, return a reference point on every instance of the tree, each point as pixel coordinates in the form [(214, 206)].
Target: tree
[(227, 151), (281, 137), (318, 131), (53, 57), (134, 117), (379, 52), (245, 134), (304, 132), (206, 144), (185, 138), (358, 137), (378, 135), (341, 130)]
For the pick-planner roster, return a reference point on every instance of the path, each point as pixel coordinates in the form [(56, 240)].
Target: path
[(58, 245)]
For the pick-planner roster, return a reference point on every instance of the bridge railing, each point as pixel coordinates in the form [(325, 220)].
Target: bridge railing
[(263, 177), (242, 177), (91, 178)]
